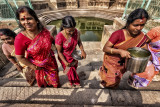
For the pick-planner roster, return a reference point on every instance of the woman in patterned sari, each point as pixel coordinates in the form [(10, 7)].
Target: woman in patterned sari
[(115, 48), (37, 41), (66, 42), (153, 67)]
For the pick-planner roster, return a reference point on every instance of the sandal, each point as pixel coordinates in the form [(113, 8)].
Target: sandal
[(77, 86), (131, 84), (69, 85)]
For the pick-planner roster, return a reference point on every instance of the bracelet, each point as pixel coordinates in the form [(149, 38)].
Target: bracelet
[(111, 50), (36, 66), (16, 64), (82, 49)]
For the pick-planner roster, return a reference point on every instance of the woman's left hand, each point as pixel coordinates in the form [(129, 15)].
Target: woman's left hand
[(83, 54), (19, 68)]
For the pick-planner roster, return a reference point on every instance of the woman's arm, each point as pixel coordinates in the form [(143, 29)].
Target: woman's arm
[(25, 61), (108, 48), (14, 62), (83, 55), (60, 54)]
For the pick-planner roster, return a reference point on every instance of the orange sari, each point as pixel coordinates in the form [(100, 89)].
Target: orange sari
[(113, 66)]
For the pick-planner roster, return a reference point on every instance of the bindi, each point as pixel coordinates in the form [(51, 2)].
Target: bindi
[(24, 17), (143, 19)]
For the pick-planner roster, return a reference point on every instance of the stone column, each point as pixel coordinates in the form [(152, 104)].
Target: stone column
[(83, 3)]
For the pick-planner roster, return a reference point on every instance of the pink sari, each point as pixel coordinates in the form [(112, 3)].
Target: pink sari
[(69, 46), (39, 53)]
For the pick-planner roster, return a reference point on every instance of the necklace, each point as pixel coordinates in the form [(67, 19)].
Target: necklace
[(128, 35), (66, 34), (31, 37)]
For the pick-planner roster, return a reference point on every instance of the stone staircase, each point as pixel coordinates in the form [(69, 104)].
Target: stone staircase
[(14, 90)]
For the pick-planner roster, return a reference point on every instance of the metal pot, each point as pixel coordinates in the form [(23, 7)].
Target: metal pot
[(76, 54), (139, 59)]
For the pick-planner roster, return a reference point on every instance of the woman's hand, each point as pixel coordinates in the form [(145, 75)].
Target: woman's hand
[(19, 68), (67, 64), (124, 53), (83, 54), (34, 67)]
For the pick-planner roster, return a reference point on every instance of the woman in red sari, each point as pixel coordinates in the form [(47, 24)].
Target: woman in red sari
[(66, 42), (116, 47), (37, 41)]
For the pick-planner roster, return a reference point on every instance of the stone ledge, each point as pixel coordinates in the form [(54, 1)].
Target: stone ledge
[(36, 95), (107, 31), (118, 23)]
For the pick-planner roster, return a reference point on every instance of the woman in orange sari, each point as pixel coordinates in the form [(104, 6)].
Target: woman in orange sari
[(37, 41), (116, 47), (153, 67)]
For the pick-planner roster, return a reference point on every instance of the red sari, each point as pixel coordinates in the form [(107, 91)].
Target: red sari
[(68, 46), (113, 66), (39, 53)]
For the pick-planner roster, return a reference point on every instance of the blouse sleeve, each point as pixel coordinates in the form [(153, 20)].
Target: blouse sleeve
[(20, 45), (153, 33), (58, 39), (114, 38), (4, 49)]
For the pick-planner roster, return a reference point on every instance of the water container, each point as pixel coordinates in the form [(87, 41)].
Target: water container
[(138, 61)]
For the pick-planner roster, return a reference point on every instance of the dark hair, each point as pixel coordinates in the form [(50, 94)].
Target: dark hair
[(7, 32), (136, 14), (68, 22), (31, 12)]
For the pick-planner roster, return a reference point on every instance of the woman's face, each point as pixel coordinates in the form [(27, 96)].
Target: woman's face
[(27, 21), (69, 31), (7, 39), (136, 26)]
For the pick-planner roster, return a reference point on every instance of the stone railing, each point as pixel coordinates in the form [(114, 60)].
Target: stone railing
[(72, 4), (97, 13)]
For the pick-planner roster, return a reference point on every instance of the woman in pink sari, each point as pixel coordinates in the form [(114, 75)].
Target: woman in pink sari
[(66, 42), (37, 41)]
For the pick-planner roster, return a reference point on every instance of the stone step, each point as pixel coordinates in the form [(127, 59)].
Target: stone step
[(36, 95), (90, 80), (52, 105), (8, 71), (91, 45)]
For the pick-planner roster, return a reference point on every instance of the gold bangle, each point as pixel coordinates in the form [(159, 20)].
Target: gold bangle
[(111, 50), (36, 66)]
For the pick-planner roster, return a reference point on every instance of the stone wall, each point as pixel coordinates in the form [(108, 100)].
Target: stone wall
[(85, 4), (42, 5)]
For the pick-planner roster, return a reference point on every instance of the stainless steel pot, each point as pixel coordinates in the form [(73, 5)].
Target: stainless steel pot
[(139, 59)]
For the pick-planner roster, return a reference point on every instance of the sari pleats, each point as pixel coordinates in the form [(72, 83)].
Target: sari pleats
[(39, 53)]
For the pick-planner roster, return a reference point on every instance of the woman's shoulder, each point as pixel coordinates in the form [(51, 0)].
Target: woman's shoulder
[(5, 48), (19, 36), (120, 31), (4, 45), (59, 35)]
